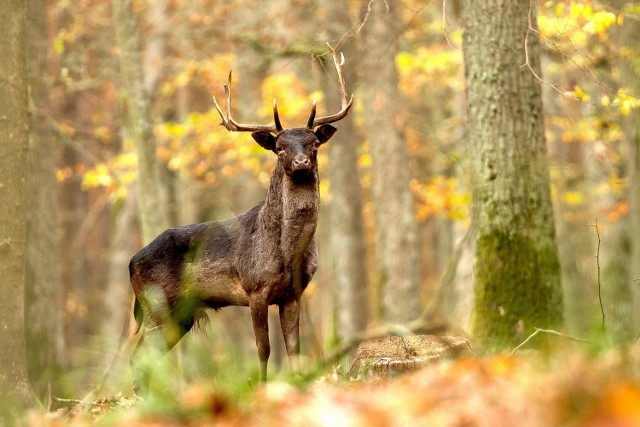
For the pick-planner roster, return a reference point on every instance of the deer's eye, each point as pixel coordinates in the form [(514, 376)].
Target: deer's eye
[(279, 149)]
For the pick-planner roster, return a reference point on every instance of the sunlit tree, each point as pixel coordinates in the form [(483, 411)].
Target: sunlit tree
[(517, 272)]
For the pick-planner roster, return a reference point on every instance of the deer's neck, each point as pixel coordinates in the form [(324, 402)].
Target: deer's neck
[(290, 212), (300, 200), (291, 200), (272, 209)]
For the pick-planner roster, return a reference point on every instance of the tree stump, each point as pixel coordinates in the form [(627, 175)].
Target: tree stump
[(394, 355)]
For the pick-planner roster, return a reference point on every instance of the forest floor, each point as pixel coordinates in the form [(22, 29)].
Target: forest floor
[(568, 387)]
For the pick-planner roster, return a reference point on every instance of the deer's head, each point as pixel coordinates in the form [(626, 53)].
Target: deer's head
[(296, 147)]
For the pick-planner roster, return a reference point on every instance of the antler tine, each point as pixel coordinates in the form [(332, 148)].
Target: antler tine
[(312, 116), (225, 121), (231, 125), (227, 94), (276, 117), (345, 106)]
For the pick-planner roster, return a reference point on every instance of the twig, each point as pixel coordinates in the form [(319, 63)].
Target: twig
[(444, 23), (564, 56), (358, 27), (546, 331), (77, 401), (598, 264), (527, 61)]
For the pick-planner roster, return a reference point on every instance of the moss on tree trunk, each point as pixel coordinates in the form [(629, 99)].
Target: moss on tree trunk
[(517, 289)]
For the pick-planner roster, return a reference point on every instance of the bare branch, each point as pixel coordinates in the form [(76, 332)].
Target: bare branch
[(444, 23), (527, 62), (545, 331), (598, 264)]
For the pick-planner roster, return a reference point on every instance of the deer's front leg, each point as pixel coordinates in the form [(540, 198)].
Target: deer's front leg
[(259, 317), (290, 323)]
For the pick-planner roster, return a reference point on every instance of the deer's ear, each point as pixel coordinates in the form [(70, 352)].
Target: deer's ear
[(265, 139), (324, 133)]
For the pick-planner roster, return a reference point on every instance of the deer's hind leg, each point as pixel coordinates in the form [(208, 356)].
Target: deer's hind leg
[(162, 329)]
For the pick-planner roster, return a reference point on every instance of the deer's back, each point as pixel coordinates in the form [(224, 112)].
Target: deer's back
[(200, 257)]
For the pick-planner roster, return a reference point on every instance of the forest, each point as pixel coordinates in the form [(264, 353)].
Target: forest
[(482, 188)]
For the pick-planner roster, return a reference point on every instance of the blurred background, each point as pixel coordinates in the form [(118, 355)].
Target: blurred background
[(394, 221)]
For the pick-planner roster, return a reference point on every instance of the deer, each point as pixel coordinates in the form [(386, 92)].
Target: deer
[(265, 256)]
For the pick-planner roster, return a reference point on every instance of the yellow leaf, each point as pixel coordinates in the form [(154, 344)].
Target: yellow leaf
[(580, 94), (573, 198), (102, 133), (404, 62), (66, 129), (58, 46), (560, 9), (99, 176), (182, 79), (625, 107)]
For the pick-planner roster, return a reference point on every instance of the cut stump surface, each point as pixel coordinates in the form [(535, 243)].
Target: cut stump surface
[(395, 355)]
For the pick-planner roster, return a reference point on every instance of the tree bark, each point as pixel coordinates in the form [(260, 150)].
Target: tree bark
[(14, 143), (145, 81), (397, 271), (517, 273), (575, 241), (153, 207), (43, 299), (345, 210), (118, 293), (630, 78)]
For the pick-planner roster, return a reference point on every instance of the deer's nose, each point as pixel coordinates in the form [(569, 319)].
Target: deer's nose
[(301, 162)]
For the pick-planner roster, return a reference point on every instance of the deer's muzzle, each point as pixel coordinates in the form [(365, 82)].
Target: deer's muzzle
[(301, 163)]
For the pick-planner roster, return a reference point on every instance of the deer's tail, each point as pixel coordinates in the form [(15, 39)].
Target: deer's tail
[(138, 314)]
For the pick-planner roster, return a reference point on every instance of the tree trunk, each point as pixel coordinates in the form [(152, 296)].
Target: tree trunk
[(345, 209), (576, 242), (142, 74), (630, 78), (43, 299), (14, 143), (153, 207), (633, 136), (517, 273), (117, 303), (397, 271)]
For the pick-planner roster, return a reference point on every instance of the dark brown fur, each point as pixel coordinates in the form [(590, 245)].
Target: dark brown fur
[(264, 256)]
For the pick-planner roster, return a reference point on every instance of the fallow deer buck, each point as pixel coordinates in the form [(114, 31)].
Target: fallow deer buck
[(264, 256)]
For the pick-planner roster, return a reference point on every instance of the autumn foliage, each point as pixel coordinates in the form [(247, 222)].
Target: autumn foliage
[(590, 63)]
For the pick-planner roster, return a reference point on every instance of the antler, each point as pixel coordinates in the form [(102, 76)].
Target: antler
[(232, 125), (313, 122)]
